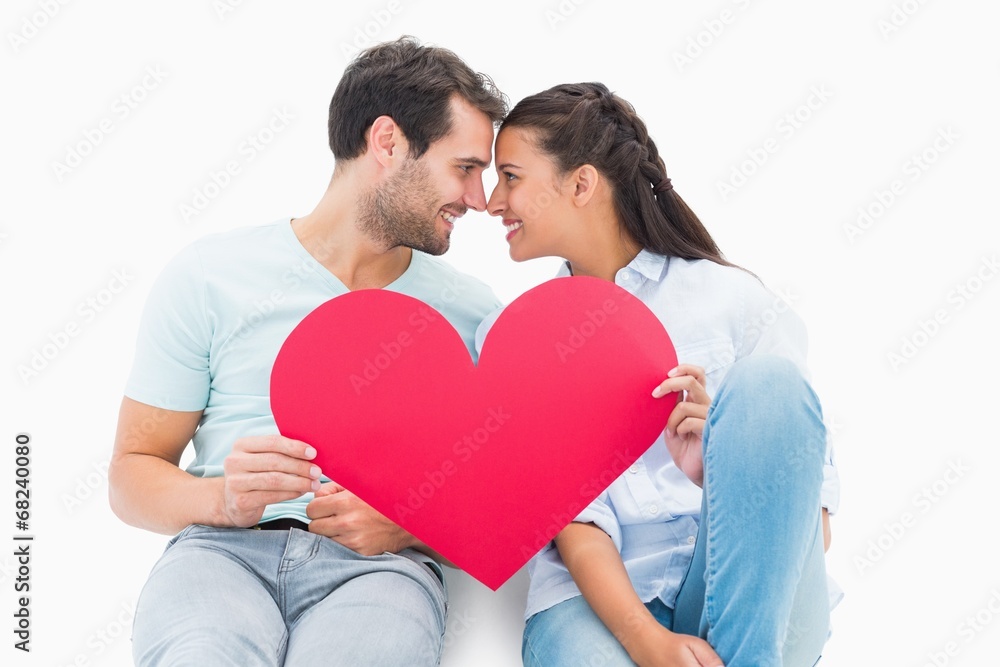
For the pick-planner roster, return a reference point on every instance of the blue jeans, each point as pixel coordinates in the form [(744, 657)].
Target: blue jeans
[(756, 588), (232, 596)]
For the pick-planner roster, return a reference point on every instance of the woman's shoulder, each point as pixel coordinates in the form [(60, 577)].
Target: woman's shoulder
[(708, 270), (727, 286)]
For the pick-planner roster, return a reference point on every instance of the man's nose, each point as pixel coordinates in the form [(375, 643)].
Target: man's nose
[(476, 198), (496, 204)]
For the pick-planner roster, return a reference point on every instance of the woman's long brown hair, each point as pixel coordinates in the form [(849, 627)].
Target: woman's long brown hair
[(585, 123)]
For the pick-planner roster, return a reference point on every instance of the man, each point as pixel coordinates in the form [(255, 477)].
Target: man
[(411, 129)]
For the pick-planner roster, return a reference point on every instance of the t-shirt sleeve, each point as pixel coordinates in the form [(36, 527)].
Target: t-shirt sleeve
[(485, 326), (171, 366)]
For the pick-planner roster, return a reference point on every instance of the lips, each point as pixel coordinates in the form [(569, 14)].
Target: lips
[(512, 226)]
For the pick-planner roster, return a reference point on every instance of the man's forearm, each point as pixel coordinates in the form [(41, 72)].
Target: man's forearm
[(147, 492)]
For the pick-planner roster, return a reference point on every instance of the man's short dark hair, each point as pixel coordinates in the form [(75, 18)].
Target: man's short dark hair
[(413, 85)]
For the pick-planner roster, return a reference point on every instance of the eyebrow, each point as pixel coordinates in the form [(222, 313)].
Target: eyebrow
[(507, 165), (473, 161)]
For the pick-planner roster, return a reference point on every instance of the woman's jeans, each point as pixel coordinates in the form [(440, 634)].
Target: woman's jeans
[(756, 588)]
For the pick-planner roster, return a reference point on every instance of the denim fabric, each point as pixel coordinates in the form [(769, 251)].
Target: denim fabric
[(756, 588), (233, 596)]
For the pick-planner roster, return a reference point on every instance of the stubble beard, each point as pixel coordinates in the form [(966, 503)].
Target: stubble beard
[(403, 212)]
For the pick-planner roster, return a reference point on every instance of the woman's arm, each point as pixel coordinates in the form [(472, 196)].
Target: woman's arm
[(827, 535), (599, 573)]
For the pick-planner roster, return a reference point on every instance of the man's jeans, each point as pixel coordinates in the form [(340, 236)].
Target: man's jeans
[(756, 588), (233, 596)]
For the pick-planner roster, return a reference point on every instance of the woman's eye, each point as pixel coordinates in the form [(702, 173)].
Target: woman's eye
[(509, 176)]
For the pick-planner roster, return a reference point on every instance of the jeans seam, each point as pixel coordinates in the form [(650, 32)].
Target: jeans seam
[(282, 645), (529, 649), (707, 457), (296, 564)]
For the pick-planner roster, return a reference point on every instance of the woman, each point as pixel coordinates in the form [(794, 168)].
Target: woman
[(654, 567)]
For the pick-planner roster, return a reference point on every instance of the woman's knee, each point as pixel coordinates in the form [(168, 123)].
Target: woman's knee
[(766, 375)]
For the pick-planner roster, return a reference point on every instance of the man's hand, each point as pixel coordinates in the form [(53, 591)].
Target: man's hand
[(687, 421), (262, 470), (343, 517)]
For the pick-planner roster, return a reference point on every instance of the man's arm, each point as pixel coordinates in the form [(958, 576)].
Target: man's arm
[(147, 489)]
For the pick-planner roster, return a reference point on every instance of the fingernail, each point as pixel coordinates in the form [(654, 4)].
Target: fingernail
[(672, 372), (314, 472), (310, 452), (315, 485), (669, 433), (656, 392)]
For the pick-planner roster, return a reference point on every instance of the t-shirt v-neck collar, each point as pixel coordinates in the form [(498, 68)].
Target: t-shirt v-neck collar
[(400, 284)]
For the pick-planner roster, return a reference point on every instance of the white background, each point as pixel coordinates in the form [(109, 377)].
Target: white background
[(899, 427)]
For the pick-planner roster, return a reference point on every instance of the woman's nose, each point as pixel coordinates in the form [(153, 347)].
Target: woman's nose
[(496, 204)]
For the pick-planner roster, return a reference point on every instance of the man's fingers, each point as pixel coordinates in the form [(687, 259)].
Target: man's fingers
[(331, 504), (249, 482), (256, 500), (328, 489), (324, 526), (272, 462), (321, 507), (275, 443)]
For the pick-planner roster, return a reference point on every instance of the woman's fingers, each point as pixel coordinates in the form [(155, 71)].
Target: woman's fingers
[(687, 418), (688, 369), (686, 378)]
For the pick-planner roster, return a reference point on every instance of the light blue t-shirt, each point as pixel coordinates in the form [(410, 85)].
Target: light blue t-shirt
[(220, 311)]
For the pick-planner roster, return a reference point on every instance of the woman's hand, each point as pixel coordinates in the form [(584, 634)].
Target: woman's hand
[(659, 647), (596, 566), (687, 421)]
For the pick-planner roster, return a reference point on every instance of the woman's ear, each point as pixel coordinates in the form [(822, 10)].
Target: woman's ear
[(584, 181), (386, 142)]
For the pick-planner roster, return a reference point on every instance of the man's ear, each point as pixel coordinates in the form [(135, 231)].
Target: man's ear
[(386, 142), (584, 182)]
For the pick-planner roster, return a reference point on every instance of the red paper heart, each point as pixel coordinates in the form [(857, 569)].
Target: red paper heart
[(483, 464)]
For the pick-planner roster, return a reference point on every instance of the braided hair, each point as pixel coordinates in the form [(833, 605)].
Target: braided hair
[(585, 123)]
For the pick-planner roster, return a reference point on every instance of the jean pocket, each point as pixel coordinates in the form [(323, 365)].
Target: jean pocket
[(197, 529), (181, 535)]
